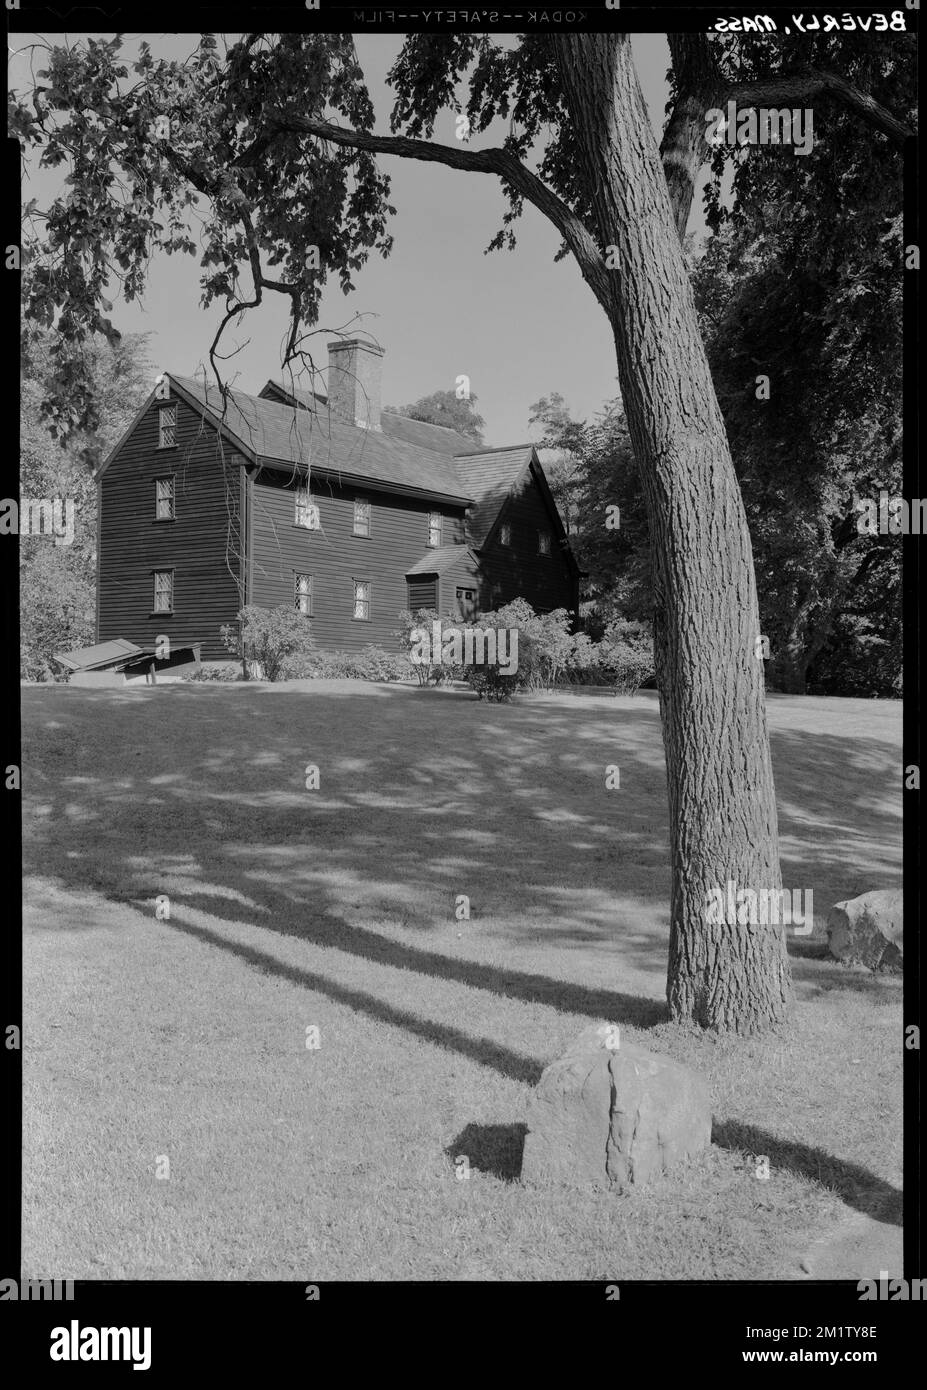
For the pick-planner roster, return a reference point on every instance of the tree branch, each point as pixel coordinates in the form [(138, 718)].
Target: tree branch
[(806, 83), (500, 162), (701, 87)]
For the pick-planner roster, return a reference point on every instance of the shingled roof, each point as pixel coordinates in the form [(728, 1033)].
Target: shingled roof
[(439, 438), (277, 436), (442, 558), (489, 478)]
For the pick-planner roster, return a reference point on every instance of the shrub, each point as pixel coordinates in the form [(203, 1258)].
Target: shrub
[(269, 639), (626, 651), (370, 664), (214, 673), (425, 673)]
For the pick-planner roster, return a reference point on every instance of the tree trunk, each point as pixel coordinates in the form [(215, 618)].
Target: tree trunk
[(721, 797)]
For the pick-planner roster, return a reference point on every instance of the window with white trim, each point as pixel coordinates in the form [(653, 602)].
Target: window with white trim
[(307, 510), (164, 499), (163, 591), (167, 427), (361, 516), (362, 599), (434, 528), (303, 593)]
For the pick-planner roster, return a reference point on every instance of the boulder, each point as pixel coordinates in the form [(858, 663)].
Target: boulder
[(868, 930), (610, 1114)]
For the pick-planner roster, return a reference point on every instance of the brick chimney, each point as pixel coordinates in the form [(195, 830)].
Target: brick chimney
[(354, 382)]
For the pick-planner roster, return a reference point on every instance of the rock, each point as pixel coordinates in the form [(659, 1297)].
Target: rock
[(868, 930), (611, 1116)]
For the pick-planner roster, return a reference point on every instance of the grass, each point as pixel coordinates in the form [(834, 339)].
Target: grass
[(334, 909)]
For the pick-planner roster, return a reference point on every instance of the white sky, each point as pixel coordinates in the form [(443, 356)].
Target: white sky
[(517, 324)]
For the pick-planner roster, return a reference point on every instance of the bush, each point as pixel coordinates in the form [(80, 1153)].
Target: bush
[(626, 653), (425, 673), (370, 664), (268, 639), (214, 673)]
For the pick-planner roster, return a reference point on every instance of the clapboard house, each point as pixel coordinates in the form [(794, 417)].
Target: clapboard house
[(326, 503)]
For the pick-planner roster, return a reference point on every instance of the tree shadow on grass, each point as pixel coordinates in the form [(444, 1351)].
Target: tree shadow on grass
[(323, 928), (494, 1149), (855, 1186), (482, 1050)]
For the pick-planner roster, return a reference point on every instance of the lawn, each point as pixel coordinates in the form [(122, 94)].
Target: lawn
[(333, 909)]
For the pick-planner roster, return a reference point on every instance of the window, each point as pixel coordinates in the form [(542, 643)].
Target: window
[(505, 534), (434, 528), (362, 599), (164, 591), (303, 591), (543, 542), (167, 427), (164, 499), (466, 604), (361, 517), (307, 510)]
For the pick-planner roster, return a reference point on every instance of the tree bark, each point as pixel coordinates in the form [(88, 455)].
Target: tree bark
[(723, 826)]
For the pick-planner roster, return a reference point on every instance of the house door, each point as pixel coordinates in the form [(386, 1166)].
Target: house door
[(466, 604)]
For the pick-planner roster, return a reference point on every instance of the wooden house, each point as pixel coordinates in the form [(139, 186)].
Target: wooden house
[(326, 503)]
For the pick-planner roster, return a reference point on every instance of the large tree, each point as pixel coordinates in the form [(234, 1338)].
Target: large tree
[(287, 185)]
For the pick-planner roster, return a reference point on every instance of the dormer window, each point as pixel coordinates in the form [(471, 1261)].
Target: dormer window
[(167, 427), (505, 534), (434, 529), (543, 542)]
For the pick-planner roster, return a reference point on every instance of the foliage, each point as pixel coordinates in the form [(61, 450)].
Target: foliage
[(214, 673), (446, 408), (172, 156), (372, 663), (626, 651), (56, 607), (803, 283), (600, 473), (426, 673), (58, 582), (269, 639)]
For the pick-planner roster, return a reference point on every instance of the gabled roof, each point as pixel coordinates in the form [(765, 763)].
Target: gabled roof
[(276, 436), (443, 558), (439, 438), (490, 477)]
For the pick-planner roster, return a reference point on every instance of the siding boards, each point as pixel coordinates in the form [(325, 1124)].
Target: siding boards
[(423, 593), (335, 557), (202, 545), (519, 570)]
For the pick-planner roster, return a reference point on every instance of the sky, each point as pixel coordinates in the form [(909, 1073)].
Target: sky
[(519, 325)]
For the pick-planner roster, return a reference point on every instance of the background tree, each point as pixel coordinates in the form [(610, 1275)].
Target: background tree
[(286, 185), (58, 582), (446, 408)]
